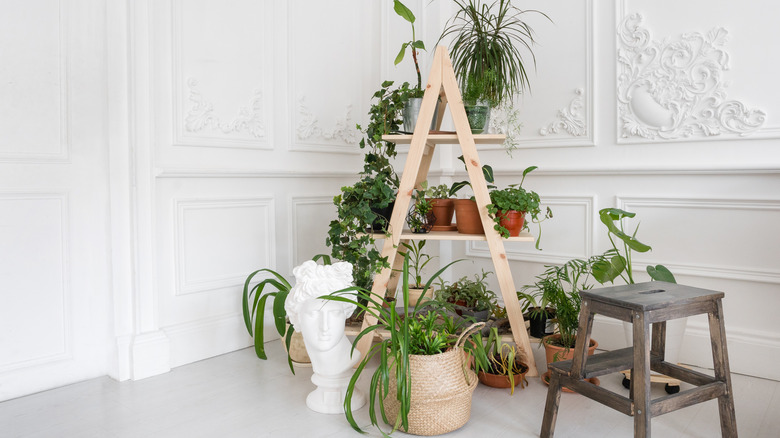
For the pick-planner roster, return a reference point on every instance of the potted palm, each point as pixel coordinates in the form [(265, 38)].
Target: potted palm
[(509, 207), (486, 48), (422, 384), (564, 283)]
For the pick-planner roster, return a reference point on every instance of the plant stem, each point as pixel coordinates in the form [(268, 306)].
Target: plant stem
[(417, 67)]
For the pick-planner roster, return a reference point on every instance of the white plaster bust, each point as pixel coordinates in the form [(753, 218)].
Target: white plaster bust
[(322, 324)]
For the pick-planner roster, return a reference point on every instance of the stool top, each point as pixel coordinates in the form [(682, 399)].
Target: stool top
[(651, 295)]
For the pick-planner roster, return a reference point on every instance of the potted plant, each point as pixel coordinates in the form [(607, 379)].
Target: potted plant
[(466, 210), (471, 298), (487, 38), (497, 364), (412, 104), (417, 262), (420, 217), (477, 101), (368, 203), (509, 206), (614, 263), (443, 207), (564, 283), (536, 306), (254, 314), (421, 374)]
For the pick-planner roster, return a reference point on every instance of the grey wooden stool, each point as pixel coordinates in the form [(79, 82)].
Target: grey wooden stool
[(644, 304)]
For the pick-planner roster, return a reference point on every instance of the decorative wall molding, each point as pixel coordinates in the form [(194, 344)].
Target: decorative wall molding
[(185, 285), (570, 119), (238, 173), (674, 89), (201, 114), (343, 130), (295, 224), (61, 152), (526, 251), (64, 332), (196, 123), (186, 339), (740, 273)]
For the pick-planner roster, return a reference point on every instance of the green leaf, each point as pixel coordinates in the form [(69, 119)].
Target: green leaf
[(418, 45), (608, 270), (661, 273), (488, 172), (608, 218), (401, 54), (403, 11)]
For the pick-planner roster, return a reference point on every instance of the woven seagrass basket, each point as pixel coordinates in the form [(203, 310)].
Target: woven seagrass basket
[(442, 386)]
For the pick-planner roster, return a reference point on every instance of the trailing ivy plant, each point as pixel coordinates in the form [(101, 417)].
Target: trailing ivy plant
[(357, 205)]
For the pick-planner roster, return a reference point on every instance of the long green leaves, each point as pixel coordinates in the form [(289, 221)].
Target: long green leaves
[(488, 38), (256, 312)]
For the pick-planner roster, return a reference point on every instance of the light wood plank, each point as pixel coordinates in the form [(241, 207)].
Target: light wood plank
[(448, 138)]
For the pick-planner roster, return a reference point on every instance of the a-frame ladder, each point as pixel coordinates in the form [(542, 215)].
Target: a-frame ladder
[(443, 84)]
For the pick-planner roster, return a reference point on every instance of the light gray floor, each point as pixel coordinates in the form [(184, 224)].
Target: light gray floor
[(238, 395)]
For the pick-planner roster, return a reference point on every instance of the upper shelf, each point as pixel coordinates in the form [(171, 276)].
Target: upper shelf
[(446, 137), (454, 235)]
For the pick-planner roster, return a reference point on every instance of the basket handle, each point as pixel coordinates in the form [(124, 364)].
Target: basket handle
[(472, 328)]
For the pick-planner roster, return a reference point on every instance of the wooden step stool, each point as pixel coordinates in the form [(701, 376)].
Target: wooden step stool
[(645, 304)]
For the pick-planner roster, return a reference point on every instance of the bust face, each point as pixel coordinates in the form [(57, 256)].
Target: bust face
[(322, 324)]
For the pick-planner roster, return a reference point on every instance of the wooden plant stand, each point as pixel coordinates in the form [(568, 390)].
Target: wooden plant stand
[(443, 84)]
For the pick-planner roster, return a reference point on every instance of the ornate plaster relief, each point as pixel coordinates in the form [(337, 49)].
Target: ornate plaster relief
[(201, 115), (675, 89), (344, 129), (570, 119)]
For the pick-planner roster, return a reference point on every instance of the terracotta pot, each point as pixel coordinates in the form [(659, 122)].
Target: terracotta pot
[(502, 381), (556, 353), (512, 220), (443, 209), (467, 217)]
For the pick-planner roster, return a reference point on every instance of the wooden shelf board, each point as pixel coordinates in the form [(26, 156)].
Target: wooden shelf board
[(446, 138), (454, 235)]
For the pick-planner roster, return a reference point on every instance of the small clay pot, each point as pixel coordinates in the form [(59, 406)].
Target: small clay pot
[(443, 209), (502, 380), (467, 217), (512, 220)]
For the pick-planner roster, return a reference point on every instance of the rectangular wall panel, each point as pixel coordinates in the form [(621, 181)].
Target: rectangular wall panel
[(310, 218), (33, 305), (33, 83), (219, 241)]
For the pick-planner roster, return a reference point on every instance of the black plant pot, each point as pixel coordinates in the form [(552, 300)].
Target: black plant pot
[(541, 325), (383, 217)]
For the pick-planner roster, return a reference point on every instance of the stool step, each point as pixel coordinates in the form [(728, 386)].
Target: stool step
[(600, 364)]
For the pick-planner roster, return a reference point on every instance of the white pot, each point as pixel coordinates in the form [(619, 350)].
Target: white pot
[(675, 331)]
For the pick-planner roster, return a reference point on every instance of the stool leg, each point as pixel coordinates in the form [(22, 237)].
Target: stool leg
[(720, 359), (584, 330), (640, 379), (658, 347), (551, 407)]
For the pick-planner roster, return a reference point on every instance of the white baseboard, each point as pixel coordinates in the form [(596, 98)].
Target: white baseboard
[(198, 340), (150, 355)]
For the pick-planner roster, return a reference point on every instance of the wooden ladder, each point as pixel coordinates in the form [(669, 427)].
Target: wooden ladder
[(443, 85)]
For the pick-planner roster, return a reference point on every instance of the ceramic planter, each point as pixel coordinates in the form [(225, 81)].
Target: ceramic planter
[(557, 353), (512, 220), (383, 217), (412, 111), (540, 325), (467, 217), (443, 209)]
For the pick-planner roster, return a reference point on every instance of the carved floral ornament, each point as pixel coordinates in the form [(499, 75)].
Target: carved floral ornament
[(344, 129), (674, 89), (200, 115), (570, 119)]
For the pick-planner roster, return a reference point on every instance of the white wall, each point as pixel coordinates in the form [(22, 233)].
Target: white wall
[(155, 152)]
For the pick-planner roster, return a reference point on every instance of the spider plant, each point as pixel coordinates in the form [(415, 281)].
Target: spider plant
[(488, 39), (408, 333)]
